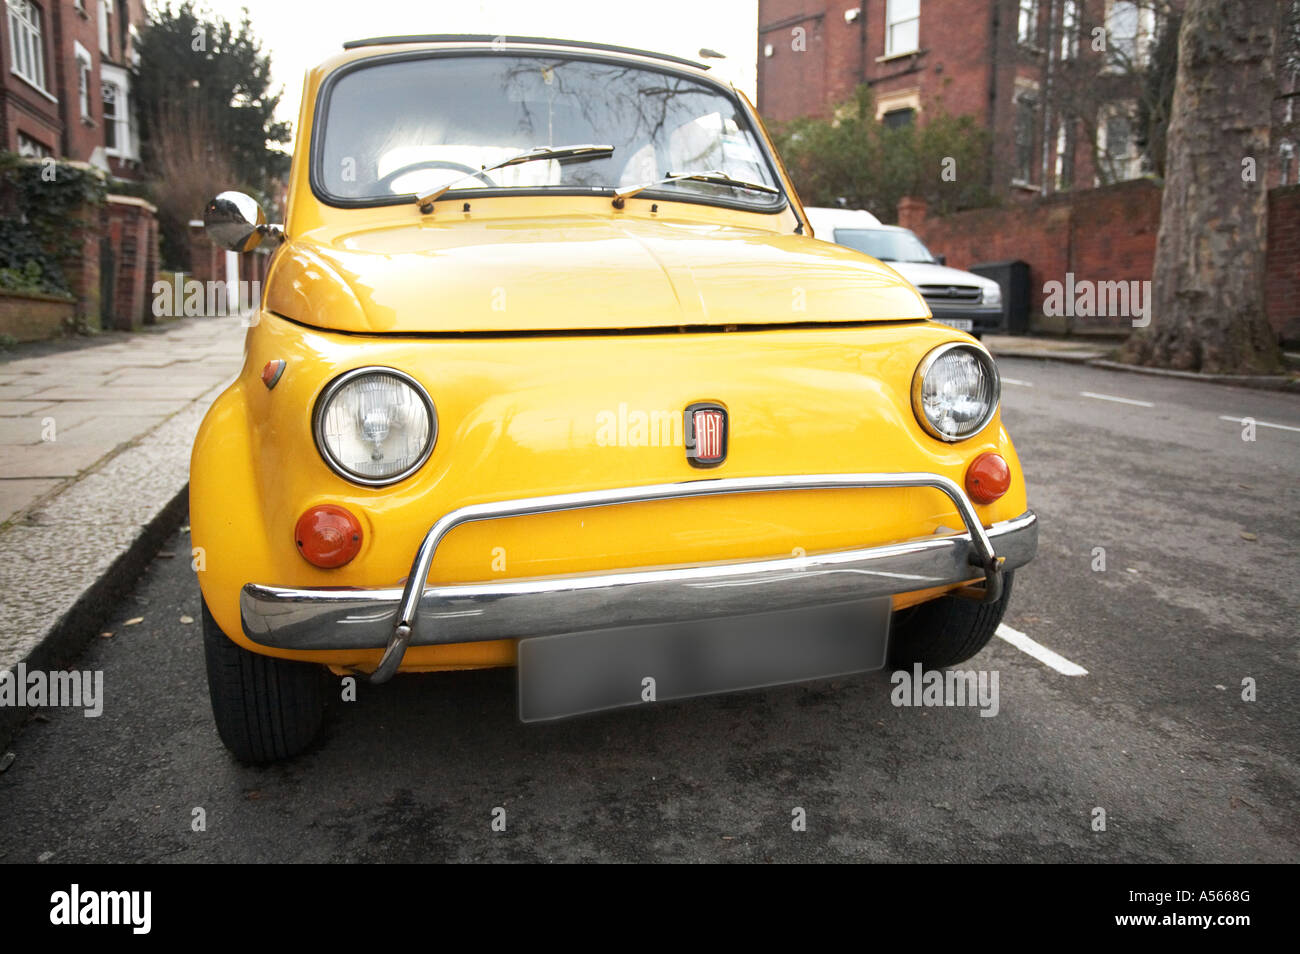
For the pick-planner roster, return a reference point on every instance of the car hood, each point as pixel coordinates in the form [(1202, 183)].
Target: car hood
[(576, 273), (923, 273)]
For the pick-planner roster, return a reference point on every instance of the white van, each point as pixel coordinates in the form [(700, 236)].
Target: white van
[(963, 300)]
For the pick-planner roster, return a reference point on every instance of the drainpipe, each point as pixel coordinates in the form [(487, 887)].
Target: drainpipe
[(862, 40), (993, 98), (1047, 89)]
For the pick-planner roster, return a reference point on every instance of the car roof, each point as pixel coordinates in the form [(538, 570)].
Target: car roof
[(823, 217), (497, 40)]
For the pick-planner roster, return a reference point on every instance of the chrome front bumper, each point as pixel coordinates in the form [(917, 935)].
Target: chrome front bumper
[(422, 615)]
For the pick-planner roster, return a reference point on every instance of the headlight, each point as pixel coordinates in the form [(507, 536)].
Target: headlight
[(375, 426), (955, 391), (992, 295)]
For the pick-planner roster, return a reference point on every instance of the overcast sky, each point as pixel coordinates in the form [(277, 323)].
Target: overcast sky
[(300, 33)]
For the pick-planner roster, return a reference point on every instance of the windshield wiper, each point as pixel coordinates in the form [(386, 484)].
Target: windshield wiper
[(711, 175), (579, 153)]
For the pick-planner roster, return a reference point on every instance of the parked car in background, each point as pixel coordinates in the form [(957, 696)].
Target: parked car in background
[(959, 299)]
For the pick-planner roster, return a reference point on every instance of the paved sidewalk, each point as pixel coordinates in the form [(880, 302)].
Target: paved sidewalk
[(62, 413), (1056, 349), (94, 451)]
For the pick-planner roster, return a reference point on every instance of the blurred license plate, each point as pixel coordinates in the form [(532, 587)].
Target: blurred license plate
[(574, 673), (961, 324)]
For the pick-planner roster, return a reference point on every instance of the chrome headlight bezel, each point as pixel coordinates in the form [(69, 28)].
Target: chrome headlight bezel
[(323, 403), (918, 384)]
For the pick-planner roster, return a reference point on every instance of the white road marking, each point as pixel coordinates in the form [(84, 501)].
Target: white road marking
[(1242, 420), (1019, 383), (1117, 400), (1044, 655)]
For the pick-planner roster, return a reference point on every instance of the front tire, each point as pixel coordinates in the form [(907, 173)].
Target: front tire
[(945, 631), (266, 709)]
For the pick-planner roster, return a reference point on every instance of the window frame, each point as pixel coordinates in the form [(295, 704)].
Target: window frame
[(321, 107), (1070, 29), (891, 22), (1142, 40), (106, 27), (27, 44), (113, 120), (1025, 97), (1027, 17), (85, 67)]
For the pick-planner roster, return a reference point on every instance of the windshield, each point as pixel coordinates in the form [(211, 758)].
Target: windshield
[(403, 127), (886, 245)]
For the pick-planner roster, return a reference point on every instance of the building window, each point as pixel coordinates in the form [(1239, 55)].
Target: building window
[(902, 26), (105, 27), (1120, 155), (112, 99), (898, 118), (26, 43), (1064, 159), (1286, 163), (83, 78), (898, 108), (31, 149), (1026, 124), (1069, 29), (1027, 27), (1130, 28)]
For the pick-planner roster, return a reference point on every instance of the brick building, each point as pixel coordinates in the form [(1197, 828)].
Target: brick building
[(66, 89), (1057, 82), (66, 94)]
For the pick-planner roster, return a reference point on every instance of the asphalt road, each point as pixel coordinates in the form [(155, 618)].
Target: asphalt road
[(1200, 532)]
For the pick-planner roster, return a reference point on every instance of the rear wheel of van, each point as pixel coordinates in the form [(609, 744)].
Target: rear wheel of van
[(946, 631), (265, 708)]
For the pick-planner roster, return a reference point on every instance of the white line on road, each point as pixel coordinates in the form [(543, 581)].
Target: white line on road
[(1117, 400), (1015, 381), (1242, 420), (1044, 655)]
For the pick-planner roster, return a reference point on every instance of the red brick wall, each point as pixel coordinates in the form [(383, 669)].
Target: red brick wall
[(952, 64), (1103, 235), (24, 108), (793, 82), (1282, 275), (81, 135), (82, 269), (133, 230), (207, 261)]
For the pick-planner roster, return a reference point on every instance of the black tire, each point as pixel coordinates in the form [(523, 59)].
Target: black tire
[(266, 709), (946, 631)]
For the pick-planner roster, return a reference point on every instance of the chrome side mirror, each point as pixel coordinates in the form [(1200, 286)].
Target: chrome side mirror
[(236, 222)]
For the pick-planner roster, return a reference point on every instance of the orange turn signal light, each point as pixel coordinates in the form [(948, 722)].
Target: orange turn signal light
[(272, 371), (328, 536), (987, 478)]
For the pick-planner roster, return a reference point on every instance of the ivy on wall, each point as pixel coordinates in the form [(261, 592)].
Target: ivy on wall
[(44, 204)]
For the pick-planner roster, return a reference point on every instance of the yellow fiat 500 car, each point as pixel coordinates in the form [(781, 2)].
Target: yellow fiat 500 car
[(550, 372)]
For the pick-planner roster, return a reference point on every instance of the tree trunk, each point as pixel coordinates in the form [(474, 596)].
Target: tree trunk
[(1207, 312)]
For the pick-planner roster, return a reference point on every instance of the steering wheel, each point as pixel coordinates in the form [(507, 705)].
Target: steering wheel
[(386, 182)]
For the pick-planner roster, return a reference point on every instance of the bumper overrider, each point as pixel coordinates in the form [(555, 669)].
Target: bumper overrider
[(418, 614)]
